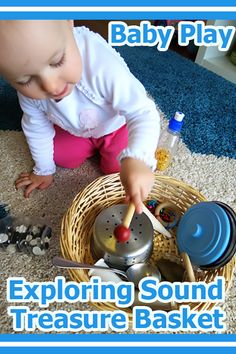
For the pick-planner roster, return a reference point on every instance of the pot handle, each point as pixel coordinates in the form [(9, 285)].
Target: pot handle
[(188, 266)]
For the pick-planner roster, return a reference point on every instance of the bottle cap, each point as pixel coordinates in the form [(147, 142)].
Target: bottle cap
[(175, 124), (179, 116), (204, 233)]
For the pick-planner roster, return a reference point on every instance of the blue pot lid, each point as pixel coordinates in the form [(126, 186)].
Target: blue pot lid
[(204, 233)]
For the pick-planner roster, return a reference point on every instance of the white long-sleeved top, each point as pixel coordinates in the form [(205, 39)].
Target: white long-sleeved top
[(106, 97)]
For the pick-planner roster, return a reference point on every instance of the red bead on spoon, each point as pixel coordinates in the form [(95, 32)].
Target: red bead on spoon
[(122, 232)]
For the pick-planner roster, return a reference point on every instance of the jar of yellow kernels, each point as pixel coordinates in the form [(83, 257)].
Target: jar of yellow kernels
[(163, 157), (168, 141)]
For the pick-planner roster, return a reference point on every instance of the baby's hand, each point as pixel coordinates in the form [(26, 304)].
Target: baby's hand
[(31, 181), (137, 179)]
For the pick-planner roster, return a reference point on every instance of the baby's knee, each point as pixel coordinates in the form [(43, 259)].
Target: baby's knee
[(67, 163)]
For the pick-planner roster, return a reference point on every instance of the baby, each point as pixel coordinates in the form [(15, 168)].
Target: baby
[(78, 97)]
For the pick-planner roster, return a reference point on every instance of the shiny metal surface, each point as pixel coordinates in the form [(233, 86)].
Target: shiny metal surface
[(68, 264), (116, 254), (133, 274), (141, 270)]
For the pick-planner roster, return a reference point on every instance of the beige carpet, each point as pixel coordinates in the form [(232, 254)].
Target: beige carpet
[(214, 177)]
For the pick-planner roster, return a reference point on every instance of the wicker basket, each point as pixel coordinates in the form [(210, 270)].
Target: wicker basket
[(105, 191)]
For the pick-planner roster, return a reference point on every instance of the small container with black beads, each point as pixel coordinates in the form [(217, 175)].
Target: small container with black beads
[(24, 235), (4, 210)]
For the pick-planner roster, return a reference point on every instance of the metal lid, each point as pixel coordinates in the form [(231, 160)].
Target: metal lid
[(204, 232), (141, 238)]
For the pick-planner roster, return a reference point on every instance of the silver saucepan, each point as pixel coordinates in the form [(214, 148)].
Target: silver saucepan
[(116, 254)]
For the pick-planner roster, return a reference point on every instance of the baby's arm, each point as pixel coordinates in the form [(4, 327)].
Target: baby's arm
[(138, 159), (137, 179), (39, 132), (128, 96)]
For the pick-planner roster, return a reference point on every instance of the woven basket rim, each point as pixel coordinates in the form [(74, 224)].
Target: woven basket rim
[(78, 217)]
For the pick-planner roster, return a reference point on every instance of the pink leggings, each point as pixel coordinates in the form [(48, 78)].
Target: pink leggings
[(71, 151)]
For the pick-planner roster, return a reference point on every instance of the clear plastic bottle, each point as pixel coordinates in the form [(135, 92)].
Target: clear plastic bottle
[(169, 141)]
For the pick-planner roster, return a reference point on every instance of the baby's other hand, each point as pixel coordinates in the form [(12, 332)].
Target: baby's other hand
[(30, 181), (137, 179)]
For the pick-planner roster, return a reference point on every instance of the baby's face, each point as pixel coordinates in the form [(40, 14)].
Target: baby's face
[(40, 58)]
